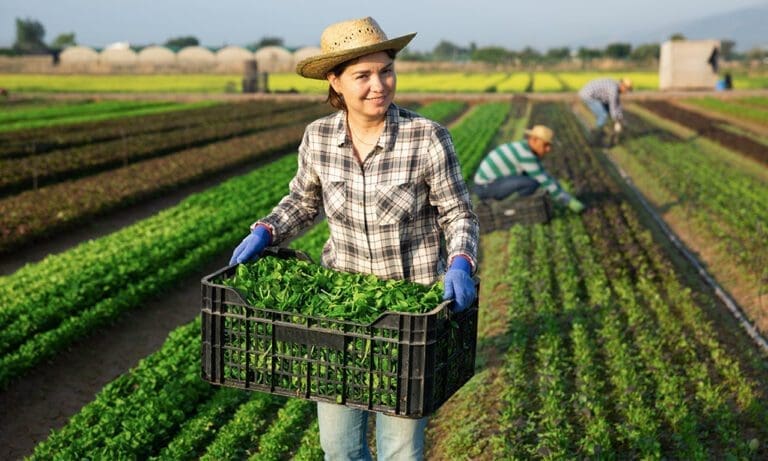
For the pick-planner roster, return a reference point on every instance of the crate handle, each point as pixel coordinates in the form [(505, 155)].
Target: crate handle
[(312, 337)]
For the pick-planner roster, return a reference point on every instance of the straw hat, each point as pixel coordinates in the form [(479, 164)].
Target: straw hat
[(627, 82), (542, 132), (347, 40)]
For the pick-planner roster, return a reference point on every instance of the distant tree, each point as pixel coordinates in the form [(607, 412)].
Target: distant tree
[(757, 54), (618, 50), (646, 52), (558, 54), (727, 48), (411, 55), (29, 36), (676, 37), (529, 55), (64, 40), (446, 50), (586, 54), (493, 55), (268, 41), (181, 42)]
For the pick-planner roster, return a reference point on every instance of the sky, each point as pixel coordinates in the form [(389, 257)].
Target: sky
[(511, 24)]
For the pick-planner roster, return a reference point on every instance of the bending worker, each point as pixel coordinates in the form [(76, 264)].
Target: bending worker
[(515, 168), (602, 97)]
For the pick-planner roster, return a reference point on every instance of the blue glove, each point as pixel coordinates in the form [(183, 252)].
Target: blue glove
[(459, 285), (252, 246), (575, 205)]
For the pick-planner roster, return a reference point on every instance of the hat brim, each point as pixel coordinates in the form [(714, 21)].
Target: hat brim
[(318, 66)]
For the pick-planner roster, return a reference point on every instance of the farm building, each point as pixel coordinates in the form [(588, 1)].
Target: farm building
[(689, 64)]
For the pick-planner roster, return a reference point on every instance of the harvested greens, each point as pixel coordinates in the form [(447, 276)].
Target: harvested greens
[(299, 286)]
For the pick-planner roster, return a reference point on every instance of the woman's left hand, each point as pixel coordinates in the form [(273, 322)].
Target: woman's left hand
[(459, 285)]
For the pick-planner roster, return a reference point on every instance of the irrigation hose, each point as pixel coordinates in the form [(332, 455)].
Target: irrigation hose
[(732, 306)]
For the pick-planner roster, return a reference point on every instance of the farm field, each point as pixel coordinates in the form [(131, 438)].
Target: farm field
[(596, 339), (408, 82)]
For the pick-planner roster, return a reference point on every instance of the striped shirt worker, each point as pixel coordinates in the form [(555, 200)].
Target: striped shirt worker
[(387, 216), (607, 92), (517, 159)]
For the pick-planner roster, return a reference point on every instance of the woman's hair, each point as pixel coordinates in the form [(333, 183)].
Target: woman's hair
[(334, 98)]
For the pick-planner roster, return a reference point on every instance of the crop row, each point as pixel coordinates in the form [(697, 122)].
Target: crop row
[(281, 82), (750, 109), (34, 141), (30, 172), (232, 439), (84, 111), (610, 355), (725, 201), (36, 213), (65, 296), (676, 347)]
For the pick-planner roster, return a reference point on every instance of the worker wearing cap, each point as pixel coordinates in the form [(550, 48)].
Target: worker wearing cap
[(602, 97), (515, 168)]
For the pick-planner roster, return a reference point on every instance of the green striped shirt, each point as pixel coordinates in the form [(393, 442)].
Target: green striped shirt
[(517, 159)]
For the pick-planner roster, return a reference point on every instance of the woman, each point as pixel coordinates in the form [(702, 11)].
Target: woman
[(392, 191)]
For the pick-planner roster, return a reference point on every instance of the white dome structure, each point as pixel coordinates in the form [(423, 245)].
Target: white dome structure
[(304, 53), (274, 59), (158, 55), (78, 55), (118, 56), (196, 56), (233, 54), (232, 59)]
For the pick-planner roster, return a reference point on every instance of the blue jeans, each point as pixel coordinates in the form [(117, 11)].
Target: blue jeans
[(505, 186), (343, 435), (599, 109)]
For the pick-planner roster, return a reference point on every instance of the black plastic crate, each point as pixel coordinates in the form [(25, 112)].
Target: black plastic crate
[(401, 364), (484, 212), (533, 209)]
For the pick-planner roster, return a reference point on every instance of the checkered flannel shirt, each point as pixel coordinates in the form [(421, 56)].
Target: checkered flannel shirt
[(606, 91), (387, 217)]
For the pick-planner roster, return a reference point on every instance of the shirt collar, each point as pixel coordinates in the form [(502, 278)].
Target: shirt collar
[(388, 136)]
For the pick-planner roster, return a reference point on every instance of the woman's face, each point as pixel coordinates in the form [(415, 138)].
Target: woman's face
[(367, 85)]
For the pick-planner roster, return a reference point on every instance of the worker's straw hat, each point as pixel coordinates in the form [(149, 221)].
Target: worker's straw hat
[(627, 82), (348, 40), (542, 132)]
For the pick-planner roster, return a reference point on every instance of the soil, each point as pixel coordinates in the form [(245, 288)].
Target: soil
[(708, 127)]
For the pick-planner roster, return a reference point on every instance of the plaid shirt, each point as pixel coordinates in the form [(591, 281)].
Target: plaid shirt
[(387, 216), (606, 91), (516, 158)]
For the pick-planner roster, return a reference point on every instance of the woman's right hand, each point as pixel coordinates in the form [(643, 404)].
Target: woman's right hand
[(251, 246)]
